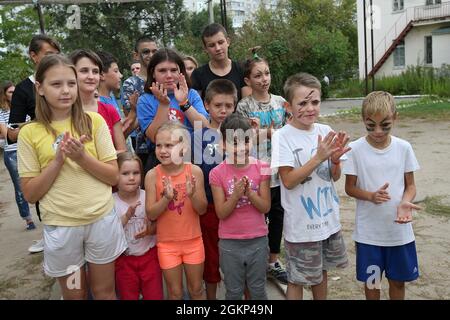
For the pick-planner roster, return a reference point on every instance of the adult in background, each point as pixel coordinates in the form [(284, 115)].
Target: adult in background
[(10, 153), (23, 101)]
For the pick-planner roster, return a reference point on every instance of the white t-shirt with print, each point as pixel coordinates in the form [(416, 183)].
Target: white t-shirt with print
[(311, 209), (375, 223), (136, 247)]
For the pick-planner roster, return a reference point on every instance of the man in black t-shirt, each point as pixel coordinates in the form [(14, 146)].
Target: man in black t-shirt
[(216, 43)]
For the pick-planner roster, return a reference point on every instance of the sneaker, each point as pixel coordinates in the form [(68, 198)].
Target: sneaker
[(277, 272), (31, 226), (38, 246)]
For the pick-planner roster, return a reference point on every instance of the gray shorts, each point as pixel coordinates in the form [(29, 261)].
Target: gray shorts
[(305, 261)]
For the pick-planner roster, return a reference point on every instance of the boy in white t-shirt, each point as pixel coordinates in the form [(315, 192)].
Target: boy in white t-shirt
[(380, 175), (307, 155)]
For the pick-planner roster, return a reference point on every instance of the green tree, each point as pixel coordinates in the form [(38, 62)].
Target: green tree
[(17, 25), (114, 27)]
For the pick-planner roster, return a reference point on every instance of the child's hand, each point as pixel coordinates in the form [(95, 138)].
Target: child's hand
[(60, 155), (190, 185), (132, 210), (326, 147), (340, 141), (255, 123), (381, 195), (160, 93), (133, 100), (404, 211), (248, 188), (239, 188), (144, 231), (74, 148), (168, 189), (181, 91)]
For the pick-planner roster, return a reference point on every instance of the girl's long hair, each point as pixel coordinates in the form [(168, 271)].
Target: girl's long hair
[(81, 123), (4, 103)]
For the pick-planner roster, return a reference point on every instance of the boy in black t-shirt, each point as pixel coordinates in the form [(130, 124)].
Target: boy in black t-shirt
[(216, 43)]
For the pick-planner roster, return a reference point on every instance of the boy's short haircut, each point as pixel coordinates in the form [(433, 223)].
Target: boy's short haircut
[(213, 29), (142, 39), (78, 54), (378, 102), (37, 41), (220, 86), (301, 79), (107, 59)]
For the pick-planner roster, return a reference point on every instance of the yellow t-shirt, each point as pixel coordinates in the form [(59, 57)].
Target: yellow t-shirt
[(76, 197)]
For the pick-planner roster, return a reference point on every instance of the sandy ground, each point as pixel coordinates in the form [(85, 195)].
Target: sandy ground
[(21, 275)]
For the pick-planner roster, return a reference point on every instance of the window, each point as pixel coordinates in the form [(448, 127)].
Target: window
[(399, 55), (397, 5), (431, 2), (428, 50)]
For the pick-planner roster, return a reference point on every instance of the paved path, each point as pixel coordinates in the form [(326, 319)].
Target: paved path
[(333, 105)]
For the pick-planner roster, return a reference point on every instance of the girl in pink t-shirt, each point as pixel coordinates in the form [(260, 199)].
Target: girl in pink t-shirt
[(241, 190)]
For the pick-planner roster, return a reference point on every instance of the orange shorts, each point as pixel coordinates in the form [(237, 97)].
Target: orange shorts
[(174, 253)]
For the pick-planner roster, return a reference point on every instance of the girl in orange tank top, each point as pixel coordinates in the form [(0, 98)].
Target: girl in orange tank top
[(175, 197)]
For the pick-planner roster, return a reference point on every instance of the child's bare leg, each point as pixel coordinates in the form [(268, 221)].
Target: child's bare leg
[(319, 291), (74, 286), (211, 291), (372, 294), (194, 278), (294, 291), (396, 290), (102, 281), (174, 282)]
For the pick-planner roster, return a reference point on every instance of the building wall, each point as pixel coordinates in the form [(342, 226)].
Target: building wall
[(441, 50), (385, 31), (239, 11), (415, 50)]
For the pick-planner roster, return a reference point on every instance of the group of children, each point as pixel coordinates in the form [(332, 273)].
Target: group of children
[(215, 167)]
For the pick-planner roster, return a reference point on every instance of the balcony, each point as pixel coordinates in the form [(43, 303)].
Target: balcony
[(434, 11)]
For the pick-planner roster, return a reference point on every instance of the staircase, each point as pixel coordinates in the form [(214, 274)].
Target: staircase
[(404, 24)]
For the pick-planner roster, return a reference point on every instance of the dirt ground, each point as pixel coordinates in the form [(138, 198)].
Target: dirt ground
[(21, 275)]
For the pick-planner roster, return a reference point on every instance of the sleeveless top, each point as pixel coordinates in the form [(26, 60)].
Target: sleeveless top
[(180, 221)]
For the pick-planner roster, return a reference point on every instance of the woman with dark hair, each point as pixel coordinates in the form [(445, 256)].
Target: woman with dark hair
[(10, 152), (168, 97)]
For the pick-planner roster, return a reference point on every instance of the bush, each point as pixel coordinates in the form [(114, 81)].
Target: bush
[(415, 80)]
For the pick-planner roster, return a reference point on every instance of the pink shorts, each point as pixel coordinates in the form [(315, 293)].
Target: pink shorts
[(174, 253)]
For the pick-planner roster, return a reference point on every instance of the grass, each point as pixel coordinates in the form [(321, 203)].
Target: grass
[(434, 205), (414, 80), (426, 109)]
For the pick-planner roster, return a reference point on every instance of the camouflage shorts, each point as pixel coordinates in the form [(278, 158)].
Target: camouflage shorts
[(305, 261)]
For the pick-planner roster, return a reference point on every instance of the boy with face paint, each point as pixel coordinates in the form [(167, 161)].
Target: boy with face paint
[(380, 175), (308, 157)]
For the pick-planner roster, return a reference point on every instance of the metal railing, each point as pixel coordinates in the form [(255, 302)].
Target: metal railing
[(433, 11), (414, 14)]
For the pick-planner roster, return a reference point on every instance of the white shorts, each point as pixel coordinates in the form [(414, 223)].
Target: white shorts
[(66, 249)]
